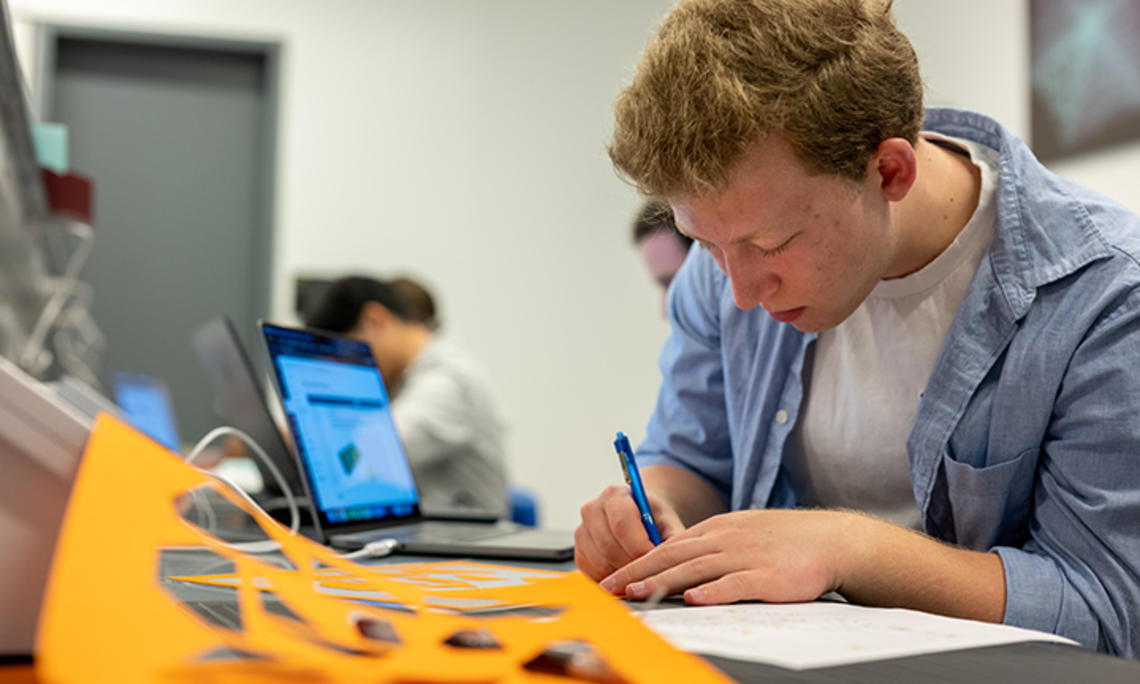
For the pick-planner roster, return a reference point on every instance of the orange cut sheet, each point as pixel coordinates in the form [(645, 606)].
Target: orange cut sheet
[(108, 616), (441, 580)]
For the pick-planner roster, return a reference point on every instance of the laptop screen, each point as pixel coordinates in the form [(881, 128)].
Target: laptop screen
[(146, 402), (341, 420)]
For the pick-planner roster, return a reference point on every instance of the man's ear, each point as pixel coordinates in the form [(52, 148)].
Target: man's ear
[(374, 315), (896, 167)]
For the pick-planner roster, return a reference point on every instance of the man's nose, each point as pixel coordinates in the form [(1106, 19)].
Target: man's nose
[(752, 281)]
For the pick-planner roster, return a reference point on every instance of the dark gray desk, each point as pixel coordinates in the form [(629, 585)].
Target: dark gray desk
[(1032, 663)]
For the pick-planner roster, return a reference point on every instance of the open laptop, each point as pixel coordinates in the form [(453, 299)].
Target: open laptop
[(145, 400), (353, 464), (239, 400)]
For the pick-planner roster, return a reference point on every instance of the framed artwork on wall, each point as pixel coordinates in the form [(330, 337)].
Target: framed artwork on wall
[(1085, 75)]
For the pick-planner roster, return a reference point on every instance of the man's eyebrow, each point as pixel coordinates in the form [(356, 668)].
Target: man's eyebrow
[(749, 237), (744, 238)]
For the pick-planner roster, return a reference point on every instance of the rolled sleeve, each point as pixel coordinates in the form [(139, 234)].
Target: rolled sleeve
[(689, 426), (1027, 577)]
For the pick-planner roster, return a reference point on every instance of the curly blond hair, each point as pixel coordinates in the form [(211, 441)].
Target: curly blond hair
[(835, 77)]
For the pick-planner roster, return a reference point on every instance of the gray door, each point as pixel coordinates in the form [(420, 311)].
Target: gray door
[(175, 140)]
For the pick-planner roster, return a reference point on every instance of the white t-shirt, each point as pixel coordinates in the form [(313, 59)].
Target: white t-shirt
[(866, 375)]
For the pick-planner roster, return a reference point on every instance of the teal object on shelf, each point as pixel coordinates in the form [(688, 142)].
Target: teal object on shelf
[(50, 142)]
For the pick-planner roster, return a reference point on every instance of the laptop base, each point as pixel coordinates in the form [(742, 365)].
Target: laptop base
[(474, 540)]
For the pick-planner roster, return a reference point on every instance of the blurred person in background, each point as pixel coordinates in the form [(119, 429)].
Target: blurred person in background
[(662, 247), (445, 411), (418, 302)]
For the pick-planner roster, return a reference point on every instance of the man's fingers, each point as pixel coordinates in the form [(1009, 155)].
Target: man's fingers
[(771, 584), (626, 527), (730, 588), (612, 539), (585, 555), (601, 557), (694, 571), (658, 560), (597, 551), (668, 523)]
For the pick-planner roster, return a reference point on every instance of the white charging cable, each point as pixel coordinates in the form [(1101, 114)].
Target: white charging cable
[(294, 515), (375, 549)]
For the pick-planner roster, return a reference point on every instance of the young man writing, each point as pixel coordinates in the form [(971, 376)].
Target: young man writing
[(904, 364)]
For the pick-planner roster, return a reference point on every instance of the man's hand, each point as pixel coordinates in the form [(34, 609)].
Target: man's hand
[(611, 533), (770, 555), (796, 555)]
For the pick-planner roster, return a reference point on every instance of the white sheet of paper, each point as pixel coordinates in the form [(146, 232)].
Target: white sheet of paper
[(822, 634)]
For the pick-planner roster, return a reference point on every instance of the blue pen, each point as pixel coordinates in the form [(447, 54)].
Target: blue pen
[(633, 479)]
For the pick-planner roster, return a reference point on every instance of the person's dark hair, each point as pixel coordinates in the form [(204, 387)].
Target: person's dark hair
[(418, 302), (656, 217), (340, 307)]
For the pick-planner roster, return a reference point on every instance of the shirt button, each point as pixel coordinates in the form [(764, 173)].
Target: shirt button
[(781, 416)]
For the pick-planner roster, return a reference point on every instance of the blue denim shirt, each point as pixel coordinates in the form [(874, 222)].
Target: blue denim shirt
[(1027, 437)]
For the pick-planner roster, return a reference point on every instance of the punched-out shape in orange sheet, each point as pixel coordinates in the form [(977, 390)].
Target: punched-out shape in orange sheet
[(107, 617)]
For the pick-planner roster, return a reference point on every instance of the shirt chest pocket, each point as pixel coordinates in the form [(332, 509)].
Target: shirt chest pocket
[(979, 507)]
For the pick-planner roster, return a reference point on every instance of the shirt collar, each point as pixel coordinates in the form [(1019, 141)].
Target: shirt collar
[(1043, 232)]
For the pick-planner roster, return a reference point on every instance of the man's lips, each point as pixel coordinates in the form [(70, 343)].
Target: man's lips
[(786, 316)]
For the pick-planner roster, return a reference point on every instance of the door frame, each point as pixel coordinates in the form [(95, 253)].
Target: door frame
[(47, 37)]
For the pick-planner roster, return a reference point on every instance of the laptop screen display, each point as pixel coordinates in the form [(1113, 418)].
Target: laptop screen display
[(146, 402), (341, 419)]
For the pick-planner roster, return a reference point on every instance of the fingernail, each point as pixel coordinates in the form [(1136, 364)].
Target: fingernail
[(607, 584), (635, 590), (695, 594)]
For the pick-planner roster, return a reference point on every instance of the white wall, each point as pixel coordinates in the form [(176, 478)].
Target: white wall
[(463, 141), (975, 54)]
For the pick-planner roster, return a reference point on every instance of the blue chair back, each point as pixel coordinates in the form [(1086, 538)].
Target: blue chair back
[(524, 506)]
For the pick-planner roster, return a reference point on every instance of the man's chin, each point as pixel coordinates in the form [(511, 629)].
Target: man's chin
[(807, 327), (808, 323)]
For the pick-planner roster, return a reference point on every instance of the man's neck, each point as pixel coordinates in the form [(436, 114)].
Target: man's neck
[(938, 207)]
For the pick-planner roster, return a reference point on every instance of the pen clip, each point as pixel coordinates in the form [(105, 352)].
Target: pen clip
[(636, 488), (621, 445)]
